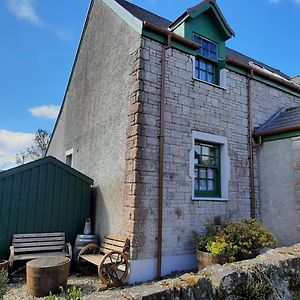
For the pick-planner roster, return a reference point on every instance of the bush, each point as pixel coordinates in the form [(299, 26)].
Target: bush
[(3, 283), (72, 293), (236, 240)]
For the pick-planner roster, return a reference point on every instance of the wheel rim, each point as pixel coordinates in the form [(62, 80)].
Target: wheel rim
[(113, 268)]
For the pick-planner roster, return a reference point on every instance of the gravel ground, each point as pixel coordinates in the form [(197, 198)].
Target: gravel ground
[(89, 285)]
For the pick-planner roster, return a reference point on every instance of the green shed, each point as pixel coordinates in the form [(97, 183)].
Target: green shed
[(43, 196)]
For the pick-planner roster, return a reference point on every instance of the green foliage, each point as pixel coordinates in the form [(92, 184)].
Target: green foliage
[(236, 240), (72, 293), (3, 283)]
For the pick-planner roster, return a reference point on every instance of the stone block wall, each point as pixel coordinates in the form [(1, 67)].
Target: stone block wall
[(190, 105)]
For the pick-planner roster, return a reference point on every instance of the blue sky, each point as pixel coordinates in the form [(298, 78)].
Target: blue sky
[(39, 39)]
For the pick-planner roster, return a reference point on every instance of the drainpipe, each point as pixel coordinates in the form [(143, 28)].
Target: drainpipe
[(161, 156), (250, 147)]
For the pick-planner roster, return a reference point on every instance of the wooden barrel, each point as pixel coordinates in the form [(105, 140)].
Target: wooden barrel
[(47, 274)]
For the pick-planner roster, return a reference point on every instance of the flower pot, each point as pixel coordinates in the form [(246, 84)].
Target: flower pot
[(3, 265), (207, 259)]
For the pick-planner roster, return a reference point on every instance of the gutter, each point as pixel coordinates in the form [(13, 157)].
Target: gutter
[(161, 156), (175, 37), (263, 74), (277, 131)]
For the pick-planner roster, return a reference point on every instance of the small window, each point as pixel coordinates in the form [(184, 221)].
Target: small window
[(208, 49), (207, 169), (69, 158), (206, 61)]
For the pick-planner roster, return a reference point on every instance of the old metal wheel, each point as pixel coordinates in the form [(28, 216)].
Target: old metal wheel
[(113, 268)]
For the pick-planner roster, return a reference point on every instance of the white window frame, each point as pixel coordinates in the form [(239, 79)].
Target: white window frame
[(69, 152), (225, 163)]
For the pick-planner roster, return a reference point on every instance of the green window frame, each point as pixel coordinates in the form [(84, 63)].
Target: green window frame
[(207, 169), (206, 60)]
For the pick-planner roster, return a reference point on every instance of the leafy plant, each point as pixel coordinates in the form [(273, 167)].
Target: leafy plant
[(236, 240), (72, 293), (3, 283)]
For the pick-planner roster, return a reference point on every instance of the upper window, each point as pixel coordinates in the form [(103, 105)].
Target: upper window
[(205, 63), (208, 49), (207, 169)]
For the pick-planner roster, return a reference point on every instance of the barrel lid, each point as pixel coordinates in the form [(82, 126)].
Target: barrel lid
[(47, 262)]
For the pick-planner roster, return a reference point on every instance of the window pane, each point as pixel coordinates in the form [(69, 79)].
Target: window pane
[(202, 75), (203, 186), (202, 173), (210, 174), (210, 185), (205, 150), (196, 173), (205, 160), (197, 151), (210, 78)]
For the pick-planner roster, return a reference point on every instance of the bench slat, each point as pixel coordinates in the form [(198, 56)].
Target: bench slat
[(28, 235), (37, 249), (92, 258), (114, 243), (111, 247), (37, 255), (116, 238), (40, 239), (39, 244)]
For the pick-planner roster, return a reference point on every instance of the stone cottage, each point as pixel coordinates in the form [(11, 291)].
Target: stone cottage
[(161, 115)]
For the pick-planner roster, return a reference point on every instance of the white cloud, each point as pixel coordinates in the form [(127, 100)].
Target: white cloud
[(10, 144), (24, 9), (64, 34), (45, 111)]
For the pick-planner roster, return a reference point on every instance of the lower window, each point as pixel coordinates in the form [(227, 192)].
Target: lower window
[(207, 169)]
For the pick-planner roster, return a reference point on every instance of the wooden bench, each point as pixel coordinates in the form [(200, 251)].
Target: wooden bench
[(36, 245), (111, 259)]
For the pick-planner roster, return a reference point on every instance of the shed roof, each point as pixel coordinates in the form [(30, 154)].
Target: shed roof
[(284, 120), (147, 16), (46, 160)]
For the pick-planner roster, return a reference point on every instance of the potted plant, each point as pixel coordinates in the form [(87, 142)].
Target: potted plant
[(232, 241)]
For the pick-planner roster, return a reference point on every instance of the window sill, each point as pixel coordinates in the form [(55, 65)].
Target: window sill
[(209, 199), (211, 84)]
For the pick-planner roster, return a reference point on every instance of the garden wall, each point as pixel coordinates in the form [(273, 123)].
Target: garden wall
[(273, 275)]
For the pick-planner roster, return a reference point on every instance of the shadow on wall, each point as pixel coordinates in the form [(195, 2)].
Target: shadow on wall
[(99, 214)]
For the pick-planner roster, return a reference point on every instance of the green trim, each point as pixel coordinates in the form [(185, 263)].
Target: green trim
[(281, 136), (204, 9), (263, 80), (46, 160), (162, 39)]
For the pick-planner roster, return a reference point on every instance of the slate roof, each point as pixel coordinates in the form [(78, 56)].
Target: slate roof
[(284, 118), (145, 15)]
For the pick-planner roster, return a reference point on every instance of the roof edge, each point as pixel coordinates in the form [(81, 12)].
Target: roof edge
[(44, 160), (277, 131), (132, 21)]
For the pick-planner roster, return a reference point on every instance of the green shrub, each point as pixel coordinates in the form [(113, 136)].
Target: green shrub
[(3, 283), (237, 240), (72, 293)]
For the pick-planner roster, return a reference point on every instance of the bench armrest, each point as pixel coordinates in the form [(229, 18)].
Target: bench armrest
[(95, 249), (68, 250), (11, 256)]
